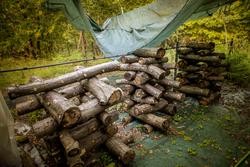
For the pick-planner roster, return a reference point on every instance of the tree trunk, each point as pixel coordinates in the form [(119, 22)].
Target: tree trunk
[(70, 145), (121, 150), (61, 109), (129, 59), (194, 90), (150, 52), (84, 129), (105, 93), (201, 58), (174, 96), (141, 78), (153, 120), (130, 75)]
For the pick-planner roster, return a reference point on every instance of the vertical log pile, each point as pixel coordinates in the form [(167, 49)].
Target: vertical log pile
[(77, 118), (201, 71), (148, 93)]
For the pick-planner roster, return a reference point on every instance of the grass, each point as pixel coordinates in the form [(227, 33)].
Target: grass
[(21, 77)]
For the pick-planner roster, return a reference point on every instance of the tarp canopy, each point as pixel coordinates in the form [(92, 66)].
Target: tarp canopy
[(146, 26)]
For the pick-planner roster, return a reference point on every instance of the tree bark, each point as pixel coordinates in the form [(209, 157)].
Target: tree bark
[(105, 93), (121, 150), (92, 141), (26, 104), (215, 78), (146, 87), (127, 89), (45, 127), (201, 58), (168, 82), (139, 94), (72, 90), (130, 75), (168, 66), (84, 129), (129, 59), (170, 109), (108, 118), (127, 119), (174, 96), (76, 161), (194, 90), (75, 100), (184, 50), (140, 109), (70, 145), (141, 78), (147, 100), (150, 60), (61, 109), (150, 52), (128, 103), (111, 130), (201, 45), (153, 120)]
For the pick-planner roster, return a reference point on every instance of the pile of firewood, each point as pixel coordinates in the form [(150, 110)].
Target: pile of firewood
[(201, 71), (149, 98), (77, 122)]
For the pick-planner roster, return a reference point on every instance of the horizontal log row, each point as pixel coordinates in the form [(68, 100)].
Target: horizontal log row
[(201, 71)]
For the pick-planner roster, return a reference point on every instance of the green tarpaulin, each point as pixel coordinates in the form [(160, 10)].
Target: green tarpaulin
[(146, 26)]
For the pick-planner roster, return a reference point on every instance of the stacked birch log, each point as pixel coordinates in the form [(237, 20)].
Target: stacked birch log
[(77, 119), (201, 71), (147, 97)]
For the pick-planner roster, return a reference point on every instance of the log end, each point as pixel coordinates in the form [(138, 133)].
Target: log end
[(161, 52), (116, 96), (71, 117), (128, 157), (73, 152), (111, 130)]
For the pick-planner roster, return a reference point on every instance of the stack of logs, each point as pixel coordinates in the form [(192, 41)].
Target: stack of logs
[(77, 123), (201, 71), (148, 98)]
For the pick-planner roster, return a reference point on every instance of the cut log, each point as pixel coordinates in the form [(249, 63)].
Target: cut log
[(141, 78), (111, 130), (203, 84), (70, 145), (105, 93), (127, 119), (169, 66), (150, 52), (192, 68), (26, 104), (126, 138), (127, 89), (184, 50), (92, 141), (147, 100), (147, 128), (61, 109), (75, 100), (108, 118), (168, 82), (170, 109), (160, 87), (45, 127), (150, 60), (183, 81), (204, 52), (153, 120), (129, 59), (174, 96), (76, 161), (139, 109), (90, 109), (194, 90), (146, 87), (156, 72), (85, 99), (201, 45), (220, 55), (62, 80), (130, 75), (182, 64), (128, 103), (72, 90), (84, 129), (201, 58), (121, 150), (215, 78), (139, 94)]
